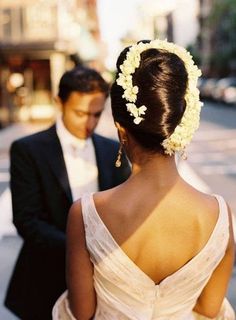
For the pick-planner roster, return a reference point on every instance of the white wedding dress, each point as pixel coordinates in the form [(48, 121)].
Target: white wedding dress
[(125, 292)]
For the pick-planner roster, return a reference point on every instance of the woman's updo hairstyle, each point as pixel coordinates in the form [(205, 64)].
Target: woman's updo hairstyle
[(162, 81)]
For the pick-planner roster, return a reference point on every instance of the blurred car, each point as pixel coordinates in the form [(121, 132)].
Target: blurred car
[(224, 90), (221, 84), (200, 84), (207, 88), (229, 93)]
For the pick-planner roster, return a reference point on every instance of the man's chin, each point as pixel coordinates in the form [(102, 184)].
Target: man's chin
[(80, 136), (83, 135)]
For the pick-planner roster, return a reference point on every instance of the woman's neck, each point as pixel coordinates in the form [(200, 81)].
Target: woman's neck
[(161, 169)]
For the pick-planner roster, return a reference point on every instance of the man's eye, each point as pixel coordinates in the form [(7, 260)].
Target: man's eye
[(80, 113)]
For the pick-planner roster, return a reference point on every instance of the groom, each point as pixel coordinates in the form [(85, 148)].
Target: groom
[(50, 170)]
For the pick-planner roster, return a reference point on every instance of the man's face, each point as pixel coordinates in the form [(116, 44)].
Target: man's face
[(81, 113)]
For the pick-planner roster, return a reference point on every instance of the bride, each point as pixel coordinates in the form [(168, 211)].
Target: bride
[(153, 247)]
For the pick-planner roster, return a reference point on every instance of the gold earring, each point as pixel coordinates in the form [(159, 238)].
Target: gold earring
[(118, 160), (183, 155)]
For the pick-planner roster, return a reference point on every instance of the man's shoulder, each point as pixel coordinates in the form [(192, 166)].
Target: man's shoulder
[(35, 138), (97, 138)]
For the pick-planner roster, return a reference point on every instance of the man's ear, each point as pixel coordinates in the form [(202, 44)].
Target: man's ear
[(58, 102)]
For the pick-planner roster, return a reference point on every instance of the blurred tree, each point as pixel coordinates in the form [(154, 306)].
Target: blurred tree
[(193, 49), (222, 22)]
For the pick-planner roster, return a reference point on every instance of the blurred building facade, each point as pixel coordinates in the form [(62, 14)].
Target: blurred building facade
[(205, 45), (154, 20), (39, 40), (166, 20), (217, 37)]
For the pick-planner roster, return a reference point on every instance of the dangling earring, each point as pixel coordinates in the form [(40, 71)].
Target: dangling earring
[(118, 160), (183, 155)]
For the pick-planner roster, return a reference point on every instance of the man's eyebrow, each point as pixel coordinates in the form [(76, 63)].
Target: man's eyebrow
[(82, 111), (88, 112)]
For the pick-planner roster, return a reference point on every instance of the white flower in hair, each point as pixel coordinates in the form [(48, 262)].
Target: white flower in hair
[(130, 94), (183, 133), (125, 82), (136, 112)]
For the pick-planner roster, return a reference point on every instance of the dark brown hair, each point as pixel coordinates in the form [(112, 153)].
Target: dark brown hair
[(162, 80), (81, 79)]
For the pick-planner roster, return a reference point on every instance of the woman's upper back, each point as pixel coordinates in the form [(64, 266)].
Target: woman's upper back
[(162, 231), (140, 270)]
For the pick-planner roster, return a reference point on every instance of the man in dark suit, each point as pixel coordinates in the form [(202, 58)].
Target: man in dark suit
[(50, 170)]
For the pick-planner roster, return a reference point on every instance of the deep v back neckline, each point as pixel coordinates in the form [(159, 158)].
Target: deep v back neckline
[(136, 267)]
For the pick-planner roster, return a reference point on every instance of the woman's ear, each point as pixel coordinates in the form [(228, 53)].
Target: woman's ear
[(122, 132)]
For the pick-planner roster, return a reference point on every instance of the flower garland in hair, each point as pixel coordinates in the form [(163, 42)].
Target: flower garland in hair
[(183, 133)]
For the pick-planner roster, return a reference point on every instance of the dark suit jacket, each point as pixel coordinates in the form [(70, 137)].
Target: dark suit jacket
[(41, 198)]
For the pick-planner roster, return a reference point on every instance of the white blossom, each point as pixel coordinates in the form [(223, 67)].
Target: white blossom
[(183, 133)]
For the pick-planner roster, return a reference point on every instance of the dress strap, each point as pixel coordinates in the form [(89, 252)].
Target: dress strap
[(86, 208), (223, 209)]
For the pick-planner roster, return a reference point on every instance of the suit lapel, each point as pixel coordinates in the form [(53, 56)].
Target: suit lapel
[(56, 160), (102, 157)]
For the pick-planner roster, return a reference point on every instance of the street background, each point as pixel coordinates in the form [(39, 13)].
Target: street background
[(210, 167), (41, 39)]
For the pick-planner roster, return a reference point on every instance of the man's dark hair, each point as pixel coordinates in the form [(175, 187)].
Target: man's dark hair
[(81, 79)]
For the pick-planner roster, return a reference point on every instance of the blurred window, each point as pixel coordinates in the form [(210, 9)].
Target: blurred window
[(11, 24), (40, 21), (34, 21), (6, 23)]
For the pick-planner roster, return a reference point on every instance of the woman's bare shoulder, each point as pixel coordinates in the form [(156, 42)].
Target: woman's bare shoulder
[(201, 200), (75, 209), (107, 196), (75, 223)]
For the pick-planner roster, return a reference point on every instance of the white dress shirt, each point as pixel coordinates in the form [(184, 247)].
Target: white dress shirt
[(80, 160)]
